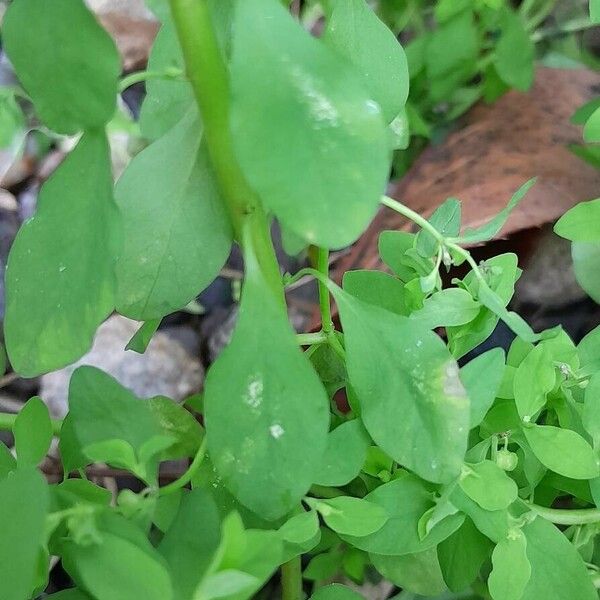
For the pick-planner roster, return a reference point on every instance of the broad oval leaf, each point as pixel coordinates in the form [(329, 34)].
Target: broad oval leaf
[(176, 232), (356, 33), (447, 308), (266, 411), (488, 485), (412, 401), (511, 568), (563, 451), (23, 505), (335, 591), (533, 380), (33, 432), (351, 516), (60, 275), (405, 499), (581, 223), (294, 101), (67, 63), (378, 288)]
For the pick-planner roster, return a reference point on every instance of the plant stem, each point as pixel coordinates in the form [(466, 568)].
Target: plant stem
[(187, 476), (416, 218), (308, 339), (291, 580), (582, 516), (208, 76), (7, 423), (139, 76), (324, 303)]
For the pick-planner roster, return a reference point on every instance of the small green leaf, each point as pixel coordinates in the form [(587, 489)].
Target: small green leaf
[(356, 33), (534, 378), (392, 246), (266, 421), (447, 308), (515, 52), (33, 432), (581, 223), (511, 568), (23, 506), (591, 409), (446, 220), (143, 336), (378, 288), (60, 280), (405, 499), (300, 528), (586, 258), (417, 573), (335, 591), (492, 228), (591, 130), (563, 451), (462, 555), (12, 121), (7, 461), (488, 485), (177, 235), (167, 99), (73, 84), (482, 378), (345, 454), (290, 95), (227, 584), (191, 542), (412, 401), (118, 569), (351, 516), (557, 569)]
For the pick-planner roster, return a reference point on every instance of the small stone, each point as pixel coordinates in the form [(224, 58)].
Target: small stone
[(167, 368)]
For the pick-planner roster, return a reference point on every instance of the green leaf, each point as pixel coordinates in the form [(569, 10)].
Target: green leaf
[(73, 84), (446, 220), (335, 591), (59, 279), (392, 246), (23, 506), (167, 100), (534, 379), (595, 11), (511, 569), (72, 594), (591, 409), (12, 121), (502, 272), (417, 573), (180, 424), (101, 411), (462, 555), (490, 229), (7, 461), (591, 130), (581, 223), (226, 584), (563, 451), (488, 485), (515, 52), (405, 499), (586, 258), (350, 516), (378, 288), (291, 95), (345, 454), (356, 33), (266, 421), (177, 235), (482, 378), (412, 401), (451, 55), (191, 542), (557, 569), (451, 307), (33, 432), (118, 569), (300, 528), (143, 336)]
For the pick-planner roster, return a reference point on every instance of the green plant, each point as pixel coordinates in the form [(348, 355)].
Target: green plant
[(437, 477)]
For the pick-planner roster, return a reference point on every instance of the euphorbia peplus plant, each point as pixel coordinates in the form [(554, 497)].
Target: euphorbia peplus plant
[(439, 477)]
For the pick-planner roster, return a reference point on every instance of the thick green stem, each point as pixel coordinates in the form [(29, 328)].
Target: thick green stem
[(582, 516), (208, 76), (187, 476), (291, 580), (7, 423), (324, 302)]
